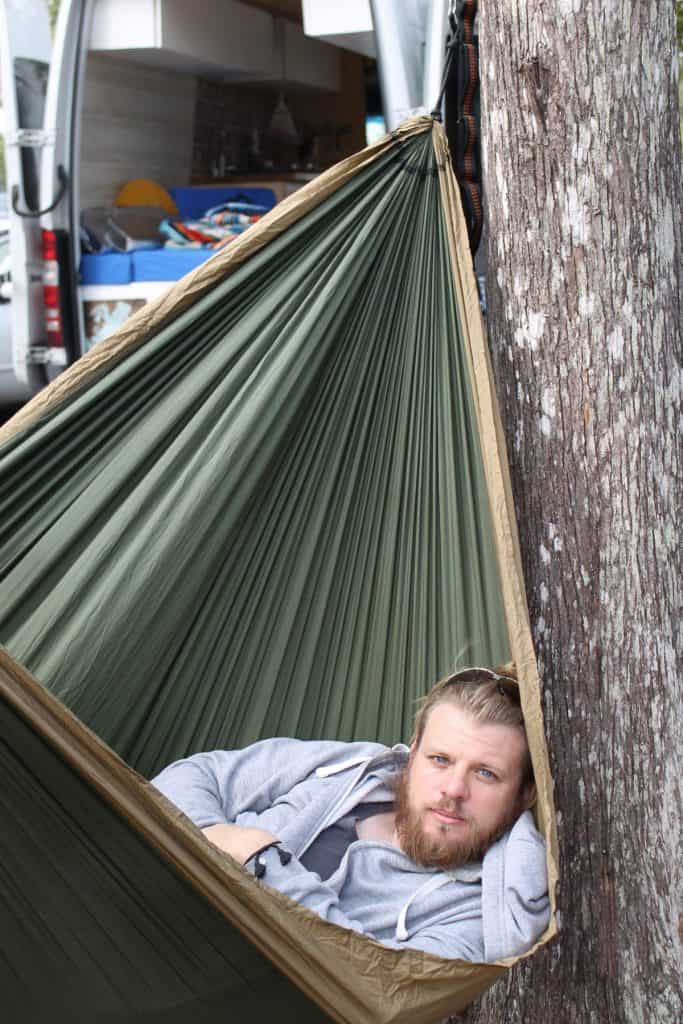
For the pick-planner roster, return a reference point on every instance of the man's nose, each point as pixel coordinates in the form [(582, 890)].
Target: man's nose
[(455, 784)]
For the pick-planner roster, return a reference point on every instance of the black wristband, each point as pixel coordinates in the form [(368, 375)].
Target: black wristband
[(259, 867)]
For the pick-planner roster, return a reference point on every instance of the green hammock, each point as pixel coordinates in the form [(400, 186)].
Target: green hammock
[(275, 503)]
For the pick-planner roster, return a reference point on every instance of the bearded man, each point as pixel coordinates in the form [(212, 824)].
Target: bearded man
[(432, 846)]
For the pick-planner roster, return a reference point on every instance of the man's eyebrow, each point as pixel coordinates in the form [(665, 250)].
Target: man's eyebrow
[(436, 751)]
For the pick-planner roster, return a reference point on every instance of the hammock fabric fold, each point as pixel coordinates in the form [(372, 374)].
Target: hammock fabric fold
[(275, 503)]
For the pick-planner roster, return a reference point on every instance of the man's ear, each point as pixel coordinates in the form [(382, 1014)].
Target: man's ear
[(528, 796)]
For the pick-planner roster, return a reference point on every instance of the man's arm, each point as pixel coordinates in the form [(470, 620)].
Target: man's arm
[(515, 904), (240, 842), (214, 788)]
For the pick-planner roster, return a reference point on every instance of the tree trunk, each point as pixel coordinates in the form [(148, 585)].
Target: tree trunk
[(583, 174)]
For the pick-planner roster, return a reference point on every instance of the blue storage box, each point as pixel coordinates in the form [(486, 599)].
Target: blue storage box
[(106, 267), (166, 264)]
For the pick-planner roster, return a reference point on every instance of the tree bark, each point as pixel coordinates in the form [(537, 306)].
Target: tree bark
[(582, 168)]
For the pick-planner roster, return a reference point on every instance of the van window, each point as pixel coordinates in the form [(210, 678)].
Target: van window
[(30, 78)]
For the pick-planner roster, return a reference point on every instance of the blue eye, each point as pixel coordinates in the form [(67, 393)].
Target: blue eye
[(486, 773), (439, 760)]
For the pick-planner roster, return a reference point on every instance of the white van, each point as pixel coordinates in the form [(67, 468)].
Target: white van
[(113, 99)]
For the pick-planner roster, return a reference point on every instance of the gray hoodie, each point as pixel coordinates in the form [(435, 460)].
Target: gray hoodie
[(295, 789)]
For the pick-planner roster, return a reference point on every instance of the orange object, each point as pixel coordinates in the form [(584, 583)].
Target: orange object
[(144, 192)]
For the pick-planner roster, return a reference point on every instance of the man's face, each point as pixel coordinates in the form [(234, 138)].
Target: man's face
[(461, 789)]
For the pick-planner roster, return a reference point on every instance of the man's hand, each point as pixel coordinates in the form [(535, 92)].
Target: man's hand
[(238, 841)]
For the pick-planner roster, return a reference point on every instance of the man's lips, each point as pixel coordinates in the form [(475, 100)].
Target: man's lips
[(447, 816)]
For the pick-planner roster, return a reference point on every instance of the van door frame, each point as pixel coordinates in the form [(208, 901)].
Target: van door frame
[(63, 121)]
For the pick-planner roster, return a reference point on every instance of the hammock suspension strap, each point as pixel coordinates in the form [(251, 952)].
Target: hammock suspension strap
[(461, 90)]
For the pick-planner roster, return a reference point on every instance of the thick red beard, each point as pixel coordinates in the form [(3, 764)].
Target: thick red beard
[(445, 850)]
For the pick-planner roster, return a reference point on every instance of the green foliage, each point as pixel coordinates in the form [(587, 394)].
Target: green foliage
[(53, 11)]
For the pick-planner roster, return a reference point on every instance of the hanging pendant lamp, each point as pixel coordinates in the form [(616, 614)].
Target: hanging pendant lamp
[(281, 125)]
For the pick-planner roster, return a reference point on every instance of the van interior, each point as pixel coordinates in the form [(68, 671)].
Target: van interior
[(174, 126), (224, 143)]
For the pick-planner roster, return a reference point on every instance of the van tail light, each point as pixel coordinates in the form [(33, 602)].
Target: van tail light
[(53, 316), (49, 245)]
